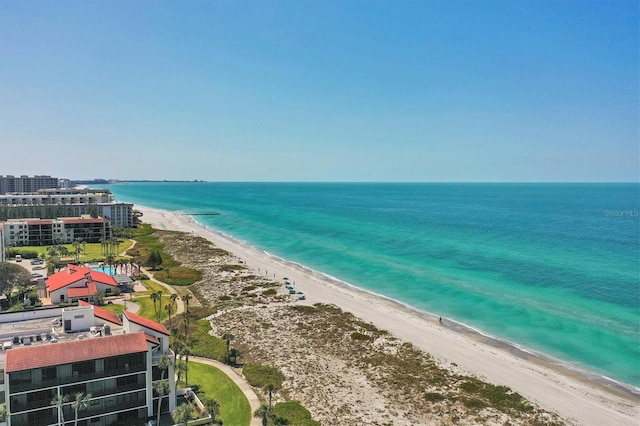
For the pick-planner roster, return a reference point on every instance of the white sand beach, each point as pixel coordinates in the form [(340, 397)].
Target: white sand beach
[(577, 399)]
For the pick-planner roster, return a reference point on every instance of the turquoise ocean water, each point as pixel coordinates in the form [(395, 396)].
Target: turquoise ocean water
[(550, 267)]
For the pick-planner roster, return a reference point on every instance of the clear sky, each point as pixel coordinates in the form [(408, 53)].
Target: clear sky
[(321, 90)]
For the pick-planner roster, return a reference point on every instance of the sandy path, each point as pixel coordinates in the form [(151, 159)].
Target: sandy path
[(572, 396)]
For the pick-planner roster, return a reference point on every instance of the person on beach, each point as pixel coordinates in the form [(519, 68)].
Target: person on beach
[(440, 320)]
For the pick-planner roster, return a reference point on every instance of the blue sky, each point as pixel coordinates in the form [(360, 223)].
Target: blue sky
[(321, 90)]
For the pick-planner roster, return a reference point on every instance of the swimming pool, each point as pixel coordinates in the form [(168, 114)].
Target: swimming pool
[(106, 270)]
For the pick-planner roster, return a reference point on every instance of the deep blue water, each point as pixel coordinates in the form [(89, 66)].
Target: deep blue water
[(551, 267)]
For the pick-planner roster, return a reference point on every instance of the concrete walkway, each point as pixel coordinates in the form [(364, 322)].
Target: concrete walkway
[(179, 302), (248, 391)]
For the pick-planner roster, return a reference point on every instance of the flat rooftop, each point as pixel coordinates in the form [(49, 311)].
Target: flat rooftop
[(47, 331)]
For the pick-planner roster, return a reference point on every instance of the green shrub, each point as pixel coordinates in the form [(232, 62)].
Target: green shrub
[(179, 275), (26, 254), (294, 413), (270, 292), (359, 336), (261, 375)]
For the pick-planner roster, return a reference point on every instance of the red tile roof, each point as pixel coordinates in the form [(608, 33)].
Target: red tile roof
[(151, 339), (102, 313), (89, 290), (76, 273), (50, 354), (40, 222), (83, 220), (145, 322)]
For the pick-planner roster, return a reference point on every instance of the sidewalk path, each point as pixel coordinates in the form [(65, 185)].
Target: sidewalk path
[(180, 303), (248, 391)]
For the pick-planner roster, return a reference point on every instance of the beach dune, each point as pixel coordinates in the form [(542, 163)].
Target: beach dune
[(576, 397)]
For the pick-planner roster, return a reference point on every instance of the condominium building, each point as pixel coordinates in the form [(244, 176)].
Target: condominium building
[(58, 202), (3, 254), (114, 362), (42, 232), (11, 184)]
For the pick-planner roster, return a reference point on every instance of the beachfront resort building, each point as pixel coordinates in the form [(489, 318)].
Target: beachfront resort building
[(52, 203), (22, 184), (78, 283), (84, 350), (66, 230)]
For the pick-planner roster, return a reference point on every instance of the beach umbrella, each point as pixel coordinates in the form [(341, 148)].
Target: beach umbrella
[(289, 287), (285, 278), (299, 292)]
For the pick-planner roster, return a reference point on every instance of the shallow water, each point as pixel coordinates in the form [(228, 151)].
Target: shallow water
[(551, 267)]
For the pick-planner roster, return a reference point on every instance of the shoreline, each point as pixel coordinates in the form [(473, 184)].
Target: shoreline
[(578, 396)]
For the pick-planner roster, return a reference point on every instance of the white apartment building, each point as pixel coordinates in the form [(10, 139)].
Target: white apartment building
[(72, 202), (42, 232), (115, 362)]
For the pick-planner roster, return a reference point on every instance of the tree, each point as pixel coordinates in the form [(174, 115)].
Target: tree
[(270, 388), (154, 297), (213, 408), (169, 307), (163, 364), (77, 249), (59, 401), (264, 412), (154, 260), (182, 414), (12, 275), (234, 354), (81, 403), (162, 388), (228, 337), (52, 264), (4, 413), (97, 298)]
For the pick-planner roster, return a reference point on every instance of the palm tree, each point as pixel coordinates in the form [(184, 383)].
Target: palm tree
[(234, 354), (228, 337), (213, 408), (81, 403), (182, 414), (270, 388), (59, 401), (186, 298), (181, 368), (170, 306), (162, 388), (163, 364), (154, 297), (76, 249), (263, 412)]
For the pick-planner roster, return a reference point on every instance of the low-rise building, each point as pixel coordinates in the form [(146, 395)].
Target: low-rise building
[(78, 283)]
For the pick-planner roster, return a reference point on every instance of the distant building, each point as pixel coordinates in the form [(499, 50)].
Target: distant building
[(114, 362), (51, 203), (44, 232), (3, 254), (11, 184)]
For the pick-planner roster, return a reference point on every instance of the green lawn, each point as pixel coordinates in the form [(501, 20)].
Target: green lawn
[(152, 287), (146, 308), (115, 308), (92, 251), (214, 384)]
